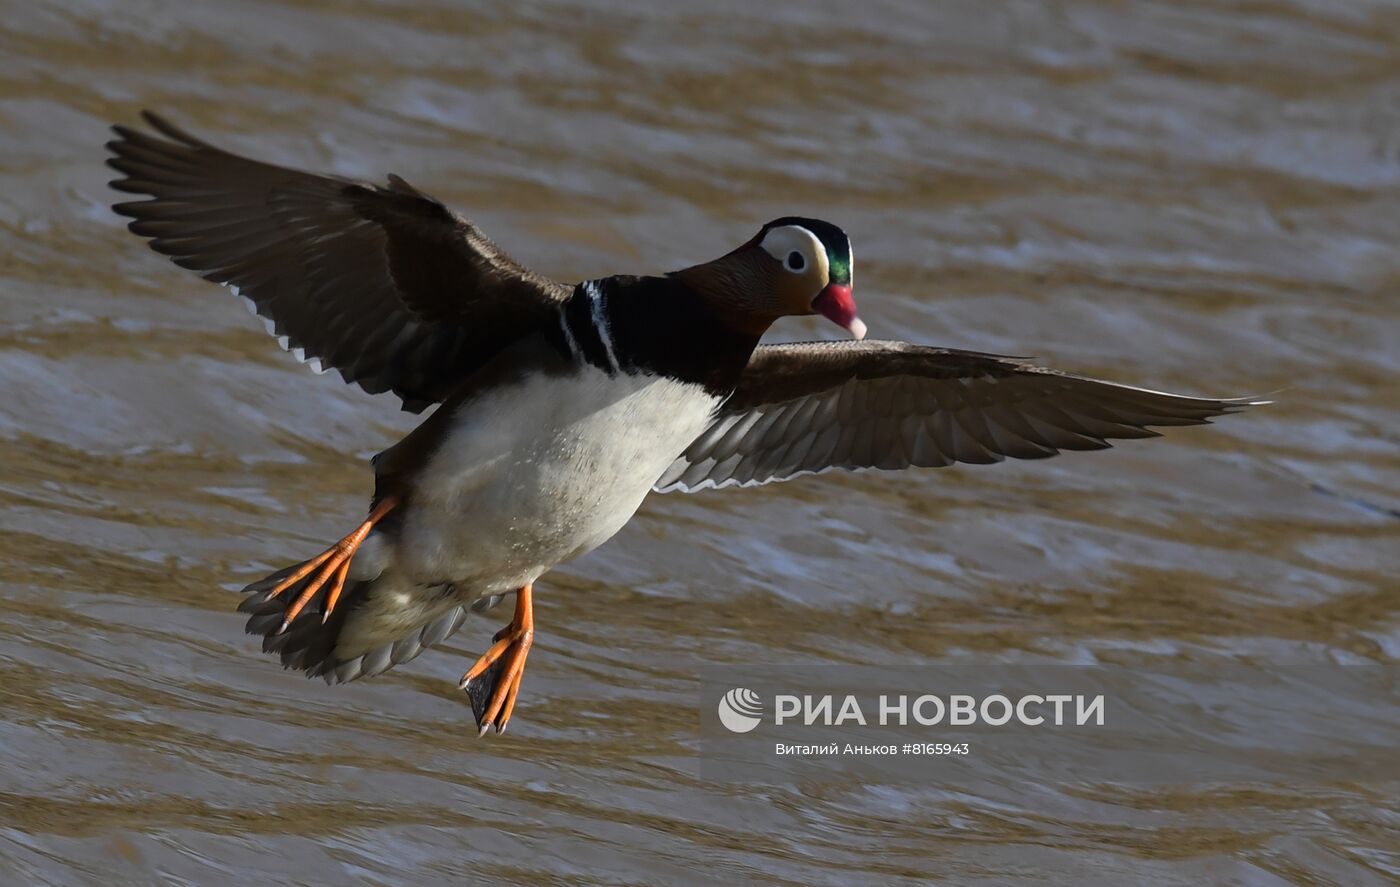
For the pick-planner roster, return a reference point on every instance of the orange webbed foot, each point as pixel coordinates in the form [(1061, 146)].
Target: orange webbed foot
[(334, 563), (493, 682)]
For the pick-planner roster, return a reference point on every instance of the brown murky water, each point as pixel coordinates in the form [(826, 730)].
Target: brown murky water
[(1199, 196)]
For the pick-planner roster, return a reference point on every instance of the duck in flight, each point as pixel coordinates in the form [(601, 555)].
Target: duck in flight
[(560, 407)]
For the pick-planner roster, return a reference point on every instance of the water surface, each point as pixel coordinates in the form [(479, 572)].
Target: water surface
[(1200, 196)]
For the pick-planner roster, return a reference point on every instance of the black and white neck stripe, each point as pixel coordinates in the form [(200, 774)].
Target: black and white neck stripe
[(587, 328), (652, 326)]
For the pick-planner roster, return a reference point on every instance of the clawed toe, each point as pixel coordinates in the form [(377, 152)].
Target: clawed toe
[(334, 564), (493, 683)]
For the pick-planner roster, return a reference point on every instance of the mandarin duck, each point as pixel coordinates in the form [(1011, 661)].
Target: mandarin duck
[(560, 407)]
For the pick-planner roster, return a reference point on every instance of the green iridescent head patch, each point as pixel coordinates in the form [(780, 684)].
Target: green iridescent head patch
[(838, 245)]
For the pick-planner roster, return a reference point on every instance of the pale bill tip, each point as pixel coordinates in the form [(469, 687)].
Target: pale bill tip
[(857, 328)]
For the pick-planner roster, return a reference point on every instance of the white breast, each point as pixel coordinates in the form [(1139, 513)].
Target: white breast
[(543, 470)]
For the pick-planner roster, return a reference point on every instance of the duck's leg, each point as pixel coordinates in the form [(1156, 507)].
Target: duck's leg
[(494, 681), (334, 561)]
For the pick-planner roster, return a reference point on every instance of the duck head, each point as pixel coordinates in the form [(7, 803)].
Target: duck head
[(792, 267)]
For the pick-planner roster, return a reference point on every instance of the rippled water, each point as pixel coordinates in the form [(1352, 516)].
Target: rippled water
[(1198, 196)]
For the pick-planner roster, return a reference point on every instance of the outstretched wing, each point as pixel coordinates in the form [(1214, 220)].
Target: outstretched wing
[(384, 284), (811, 407)]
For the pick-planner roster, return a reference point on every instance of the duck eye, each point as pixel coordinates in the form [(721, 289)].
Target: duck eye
[(795, 262)]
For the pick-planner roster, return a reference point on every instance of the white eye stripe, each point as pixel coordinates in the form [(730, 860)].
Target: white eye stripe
[(784, 240)]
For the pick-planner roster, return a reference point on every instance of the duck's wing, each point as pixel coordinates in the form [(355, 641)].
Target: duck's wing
[(384, 284), (811, 407)]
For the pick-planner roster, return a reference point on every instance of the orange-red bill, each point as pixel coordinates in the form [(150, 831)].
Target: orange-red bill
[(837, 305)]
